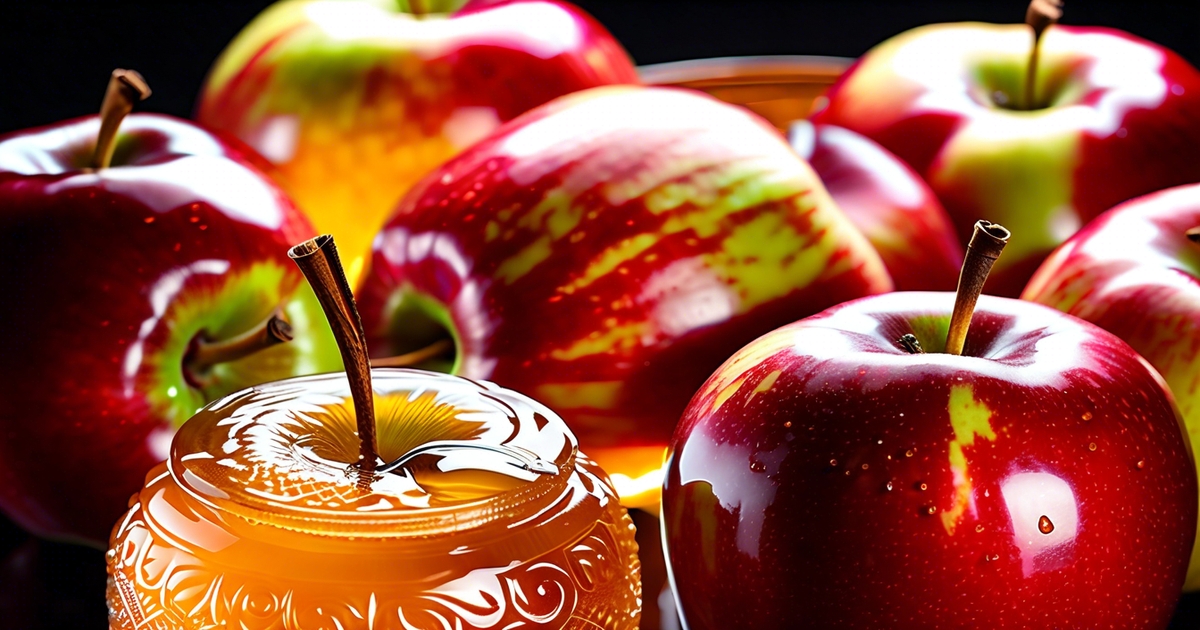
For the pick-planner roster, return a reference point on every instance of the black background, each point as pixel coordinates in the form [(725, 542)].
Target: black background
[(55, 58)]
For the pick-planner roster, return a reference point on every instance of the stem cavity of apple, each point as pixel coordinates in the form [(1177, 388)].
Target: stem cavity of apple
[(318, 260), (205, 353), (416, 357), (1039, 16), (987, 242), (125, 87)]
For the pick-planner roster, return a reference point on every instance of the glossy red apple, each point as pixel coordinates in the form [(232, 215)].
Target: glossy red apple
[(604, 253), (113, 279), (824, 477), (888, 202), (1136, 273), (356, 100), (1112, 117)]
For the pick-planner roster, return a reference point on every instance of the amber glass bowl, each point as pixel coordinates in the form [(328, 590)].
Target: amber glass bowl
[(484, 515), (779, 88)]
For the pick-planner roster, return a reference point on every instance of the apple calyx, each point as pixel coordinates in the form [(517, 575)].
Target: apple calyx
[(125, 87), (318, 260), (204, 353), (987, 242), (910, 343), (1039, 16)]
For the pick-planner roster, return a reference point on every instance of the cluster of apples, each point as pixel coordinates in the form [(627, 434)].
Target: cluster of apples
[(517, 209)]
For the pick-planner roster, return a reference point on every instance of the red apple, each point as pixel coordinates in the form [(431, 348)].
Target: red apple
[(887, 201), (824, 477), (1135, 273), (356, 100), (113, 279), (1112, 117), (605, 252)]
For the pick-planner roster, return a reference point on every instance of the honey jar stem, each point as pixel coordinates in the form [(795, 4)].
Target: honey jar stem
[(318, 260)]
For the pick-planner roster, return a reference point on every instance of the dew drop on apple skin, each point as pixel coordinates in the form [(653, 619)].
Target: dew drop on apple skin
[(757, 466), (1044, 525)]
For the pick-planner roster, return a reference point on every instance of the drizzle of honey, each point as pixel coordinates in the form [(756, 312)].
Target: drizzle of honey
[(258, 520)]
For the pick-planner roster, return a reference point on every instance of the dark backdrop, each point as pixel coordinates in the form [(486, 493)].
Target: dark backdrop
[(55, 56)]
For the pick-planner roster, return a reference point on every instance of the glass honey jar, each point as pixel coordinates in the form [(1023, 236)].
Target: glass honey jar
[(481, 513)]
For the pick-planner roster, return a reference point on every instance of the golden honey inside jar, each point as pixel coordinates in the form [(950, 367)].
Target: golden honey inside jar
[(481, 514)]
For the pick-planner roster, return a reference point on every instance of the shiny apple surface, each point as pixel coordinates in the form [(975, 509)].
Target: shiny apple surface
[(112, 275), (486, 517), (892, 206), (605, 252), (825, 477), (1113, 117), (1135, 273), (356, 101)]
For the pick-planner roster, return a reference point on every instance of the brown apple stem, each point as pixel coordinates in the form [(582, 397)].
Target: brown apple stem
[(1194, 234), (987, 242), (1039, 16), (318, 259), (415, 357), (269, 332), (125, 88), (418, 7)]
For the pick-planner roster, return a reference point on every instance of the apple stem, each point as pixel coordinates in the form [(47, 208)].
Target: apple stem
[(318, 259), (987, 242), (1039, 16), (205, 354), (125, 87), (1193, 234), (415, 357), (418, 7)]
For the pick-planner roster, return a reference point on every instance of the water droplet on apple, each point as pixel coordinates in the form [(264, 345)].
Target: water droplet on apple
[(1044, 525), (1092, 446), (787, 425), (1141, 464), (757, 466), (111, 556), (922, 486), (1087, 415), (930, 510), (833, 462), (888, 486), (909, 453), (866, 466), (978, 529)]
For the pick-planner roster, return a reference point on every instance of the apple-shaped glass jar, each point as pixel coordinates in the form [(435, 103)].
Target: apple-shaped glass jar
[(481, 514)]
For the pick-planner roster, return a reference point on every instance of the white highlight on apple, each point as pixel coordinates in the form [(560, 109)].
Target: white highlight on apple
[(1045, 519), (546, 30), (164, 291)]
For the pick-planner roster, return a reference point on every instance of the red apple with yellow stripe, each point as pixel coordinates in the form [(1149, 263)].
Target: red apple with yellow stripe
[(605, 252), (827, 477), (1135, 272)]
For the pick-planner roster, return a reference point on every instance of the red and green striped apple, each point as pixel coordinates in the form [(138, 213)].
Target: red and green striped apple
[(113, 278), (887, 201), (1136, 273), (355, 100), (605, 252), (1112, 117)]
